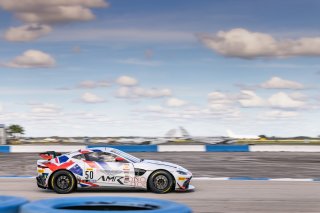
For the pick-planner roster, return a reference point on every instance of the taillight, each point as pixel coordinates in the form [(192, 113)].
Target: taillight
[(42, 167)]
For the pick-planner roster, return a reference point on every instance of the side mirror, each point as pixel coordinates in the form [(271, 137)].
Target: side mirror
[(120, 159)]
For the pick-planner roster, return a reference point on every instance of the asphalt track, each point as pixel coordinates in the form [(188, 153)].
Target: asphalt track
[(203, 164), (210, 195)]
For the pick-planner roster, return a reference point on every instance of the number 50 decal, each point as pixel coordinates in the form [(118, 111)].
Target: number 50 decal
[(89, 175)]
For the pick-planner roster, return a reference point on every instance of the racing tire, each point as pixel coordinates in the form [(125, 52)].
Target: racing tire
[(160, 182), (11, 204), (104, 204), (63, 182)]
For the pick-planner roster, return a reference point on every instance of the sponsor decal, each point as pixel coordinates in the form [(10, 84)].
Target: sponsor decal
[(111, 179), (126, 170), (76, 169), (140, 182), (182, 178), (111, 172), (126, 166), (41, 170)]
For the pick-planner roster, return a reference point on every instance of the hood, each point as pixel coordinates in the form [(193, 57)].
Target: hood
[(161, 163)]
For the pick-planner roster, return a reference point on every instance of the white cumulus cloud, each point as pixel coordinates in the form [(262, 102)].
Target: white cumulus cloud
[(39, 14), (140, 92), (243, 43), (27, 32), (283, 100), (175, 102), (32, 59), (217, 97), (279, 114), (46, 109), (52, 11), (279, 83), (88, 97), (127, 81), (250, 99)]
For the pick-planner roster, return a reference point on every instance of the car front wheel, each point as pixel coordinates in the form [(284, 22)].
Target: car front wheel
[(160, 182), (63, 182)]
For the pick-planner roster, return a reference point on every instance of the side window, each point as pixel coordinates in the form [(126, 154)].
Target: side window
[(79, 157), (108, 157), (93, 156), (103, 157)]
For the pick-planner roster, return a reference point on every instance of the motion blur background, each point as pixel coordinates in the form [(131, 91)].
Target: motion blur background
[(228, 89), (140, 68)]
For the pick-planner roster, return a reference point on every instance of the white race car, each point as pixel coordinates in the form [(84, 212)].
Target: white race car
[(108, 167)]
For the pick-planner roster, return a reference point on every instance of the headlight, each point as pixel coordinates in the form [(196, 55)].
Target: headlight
[(182, 172)]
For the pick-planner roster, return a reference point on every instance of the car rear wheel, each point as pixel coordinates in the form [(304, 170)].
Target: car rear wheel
[(63, 182), (160, 182)]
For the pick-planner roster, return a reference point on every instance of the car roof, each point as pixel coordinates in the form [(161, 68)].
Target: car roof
[(103, 149)]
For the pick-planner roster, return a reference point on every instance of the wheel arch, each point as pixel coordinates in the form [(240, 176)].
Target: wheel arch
[(173, 178), (51, 176)]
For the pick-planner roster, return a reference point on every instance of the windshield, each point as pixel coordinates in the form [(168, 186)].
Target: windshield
[(126, 155)]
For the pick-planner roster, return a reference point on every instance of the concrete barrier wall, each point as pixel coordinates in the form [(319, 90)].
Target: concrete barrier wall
[(181, 148), (284, 148), (166, 148)]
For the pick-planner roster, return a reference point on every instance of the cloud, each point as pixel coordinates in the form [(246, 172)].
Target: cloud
[(217, 97), (283, 100), (45, 109), (279, 83), (91, 98), (139, 92), (39, 14), (127, 81), (219, 101), (221, 105), (175, 102), (279, 114), (155, 109), (1, 108), (27, 32), (193, 112), (32, 59), (121, 35), (52, 11), (298, 96), (250, 99), (243, 43), (135, 61), (93, 84)]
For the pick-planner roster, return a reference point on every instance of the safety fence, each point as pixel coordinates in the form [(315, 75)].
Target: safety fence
[(165, 148)]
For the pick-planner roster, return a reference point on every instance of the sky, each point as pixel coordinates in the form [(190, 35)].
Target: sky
[(141, 67)]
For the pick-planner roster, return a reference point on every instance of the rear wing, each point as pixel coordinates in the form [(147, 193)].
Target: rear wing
[(49, 155)]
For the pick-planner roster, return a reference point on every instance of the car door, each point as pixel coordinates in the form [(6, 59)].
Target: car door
[(109, 169)]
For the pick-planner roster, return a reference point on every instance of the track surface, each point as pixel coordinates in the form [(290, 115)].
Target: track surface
[(209, 196), (232, 164)]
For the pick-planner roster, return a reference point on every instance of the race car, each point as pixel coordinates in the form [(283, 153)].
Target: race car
[(108, 167)]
